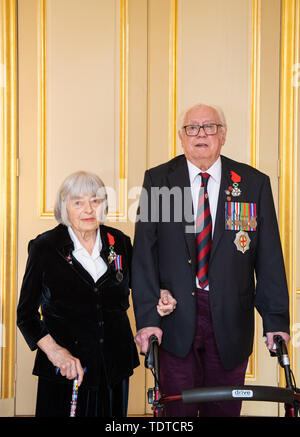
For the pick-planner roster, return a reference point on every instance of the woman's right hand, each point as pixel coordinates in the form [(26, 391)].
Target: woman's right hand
[(61, 358)]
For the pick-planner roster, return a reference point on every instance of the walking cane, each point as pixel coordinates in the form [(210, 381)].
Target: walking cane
[(74, 393), (75, 396)]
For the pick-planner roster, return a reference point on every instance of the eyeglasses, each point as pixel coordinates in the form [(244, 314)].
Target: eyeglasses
[(192, 130)]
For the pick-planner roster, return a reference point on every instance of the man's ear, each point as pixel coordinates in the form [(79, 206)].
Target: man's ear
[(223, 135)]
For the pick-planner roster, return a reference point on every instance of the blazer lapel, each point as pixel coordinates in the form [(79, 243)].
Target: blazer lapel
[(64, 246), (220, 215), (179, 177)]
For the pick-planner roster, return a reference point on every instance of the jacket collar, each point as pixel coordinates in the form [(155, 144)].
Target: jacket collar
[(179, 176), (63, 243)]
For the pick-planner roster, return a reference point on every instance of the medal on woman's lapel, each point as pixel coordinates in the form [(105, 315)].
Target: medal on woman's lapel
[(113, 257), (112, 254), (118, 264)]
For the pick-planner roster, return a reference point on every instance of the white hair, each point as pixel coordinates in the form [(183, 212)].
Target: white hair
[(75, 185), (218, 110)]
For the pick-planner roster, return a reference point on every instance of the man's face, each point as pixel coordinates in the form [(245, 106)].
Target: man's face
[(202, 150)]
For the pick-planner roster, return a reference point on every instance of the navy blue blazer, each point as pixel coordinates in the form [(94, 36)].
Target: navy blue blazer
[(164, 256)]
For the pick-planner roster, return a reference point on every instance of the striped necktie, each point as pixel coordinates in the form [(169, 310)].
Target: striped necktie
[(203, 232)]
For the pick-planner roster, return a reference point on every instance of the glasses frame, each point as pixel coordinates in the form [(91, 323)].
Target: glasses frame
[(203, 126)]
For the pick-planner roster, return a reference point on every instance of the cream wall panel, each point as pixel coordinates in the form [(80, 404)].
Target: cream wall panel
[(270, 87), (82, 90), (158, 82), (214, 64)]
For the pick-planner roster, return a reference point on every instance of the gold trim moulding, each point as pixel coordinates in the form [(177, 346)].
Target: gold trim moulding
[(121, 213), (9, 197)]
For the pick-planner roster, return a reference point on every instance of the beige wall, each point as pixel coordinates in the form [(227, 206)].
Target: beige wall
[(217, 69), (117, 105)]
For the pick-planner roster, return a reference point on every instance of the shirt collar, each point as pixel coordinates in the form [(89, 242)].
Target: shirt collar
[(214, 171), (78, 246)]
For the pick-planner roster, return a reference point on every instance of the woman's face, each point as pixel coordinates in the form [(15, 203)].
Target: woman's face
[(84, 213)]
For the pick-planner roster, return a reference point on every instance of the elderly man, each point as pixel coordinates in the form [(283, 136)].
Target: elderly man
[(220, 258)]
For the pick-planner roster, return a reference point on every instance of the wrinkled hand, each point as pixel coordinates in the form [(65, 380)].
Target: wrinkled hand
[(270, 338), (142, 337), (69, 366), (166, 304)]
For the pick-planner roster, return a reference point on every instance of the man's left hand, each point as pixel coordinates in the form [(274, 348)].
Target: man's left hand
[(270, 338)]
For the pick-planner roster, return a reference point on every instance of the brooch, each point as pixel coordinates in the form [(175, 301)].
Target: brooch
[(69, 259), (113, 257)]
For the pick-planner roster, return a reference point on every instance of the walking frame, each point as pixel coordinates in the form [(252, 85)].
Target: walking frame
[(289, 396)]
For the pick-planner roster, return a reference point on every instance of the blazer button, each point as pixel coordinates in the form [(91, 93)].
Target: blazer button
[(101, 340), (193, 293), (189, 261), (96, 290)]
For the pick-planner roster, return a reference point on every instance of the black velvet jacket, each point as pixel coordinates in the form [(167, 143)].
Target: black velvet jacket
[(87, 318)]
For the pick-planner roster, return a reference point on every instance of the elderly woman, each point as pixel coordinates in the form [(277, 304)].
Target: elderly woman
[(78, 274)]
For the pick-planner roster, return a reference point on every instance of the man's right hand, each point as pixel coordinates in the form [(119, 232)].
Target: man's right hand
[(142, 337)]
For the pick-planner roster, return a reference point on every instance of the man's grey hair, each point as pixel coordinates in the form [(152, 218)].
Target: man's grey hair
[(80, 183), (219, 111)]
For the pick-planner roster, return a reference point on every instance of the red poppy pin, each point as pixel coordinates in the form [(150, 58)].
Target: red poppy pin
[(112, 254), (111, 239), (235, 177)]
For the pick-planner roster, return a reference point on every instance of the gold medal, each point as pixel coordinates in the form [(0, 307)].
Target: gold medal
[(253, 222)]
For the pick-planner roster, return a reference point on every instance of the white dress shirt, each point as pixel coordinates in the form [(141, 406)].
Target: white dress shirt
[(213, 188), (93, 263)]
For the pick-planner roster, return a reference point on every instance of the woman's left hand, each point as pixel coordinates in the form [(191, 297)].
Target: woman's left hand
[(166, 304)]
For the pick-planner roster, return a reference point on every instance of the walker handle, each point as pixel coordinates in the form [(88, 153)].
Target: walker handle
[(150, 355)]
